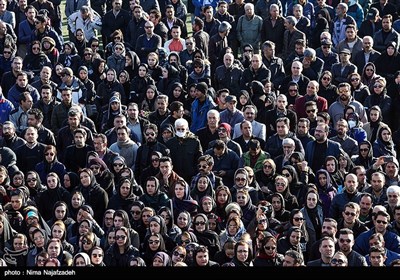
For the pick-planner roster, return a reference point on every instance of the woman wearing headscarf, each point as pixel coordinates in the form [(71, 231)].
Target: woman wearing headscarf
[(36, 59), (313, 215), (139, 84), (202, 187), (359, 91), (266, 177), (172, 229), (326, 191), (157, 225), (132, 62), (242, 254), (99, 72), (148, 103), (267, 254), (70, 181), (369, 75), (79, 40), (121, 219), (123, 197), (94, 195), (279, 211), (383, 145), (153, 244), (181, 199), (35, 186), (153, 169), (205, 236), (161, 259), (107, 88), (388, 62), (103, 175), (365, 156), (116, 60), (234, 230), (119, 254), (40, 239), (379, 98), (54, 193), (153, 197), (61, 213), (69, 57), (170, 75), (6, 233), (296, 187)]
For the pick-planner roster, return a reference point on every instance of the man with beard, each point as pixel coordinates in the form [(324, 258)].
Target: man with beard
[(348, 144), (337, 108), (125, 147), (329, 228), (143, 156), (10, 138), (46, 104), (35, 119), (31, 153), (321, 147), (185, 149), (76, 155), (65, 136), (346, 243), (311, 95), (205, 166)]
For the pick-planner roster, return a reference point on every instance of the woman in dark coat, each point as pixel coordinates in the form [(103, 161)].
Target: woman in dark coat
[(123, 197), (94, 195), (380, 98), (388, 62), (107, 88), (36, 59), (139, 84)]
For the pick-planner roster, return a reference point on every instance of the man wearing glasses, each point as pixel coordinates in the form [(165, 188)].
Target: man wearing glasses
[(381, 222)]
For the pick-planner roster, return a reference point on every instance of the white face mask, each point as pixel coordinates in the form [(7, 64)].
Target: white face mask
[(352, 124), (181, 134)]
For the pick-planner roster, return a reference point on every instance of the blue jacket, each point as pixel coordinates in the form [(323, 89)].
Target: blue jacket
[(5, 108), (199, 115), (361, 244)]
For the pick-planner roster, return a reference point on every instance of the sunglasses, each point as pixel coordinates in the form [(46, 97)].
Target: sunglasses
[(94, 46), (240, 179), (155, 159), (31, 180), (136, 212), (286, 174), (150, 134), (202, 166), (364, 150), (267, 166), (120, 237), (378, 86), (269, 247), (262, 221), (311, 111), (337, 261), (95, 167), (118, 164), (49, 154), (180, 129), (176, 254), (350, 213), (37, 22), (381, 222), (199, 223), (6, 52), (87, 54), (118, 49), (88, 242), (298, 219), (154, 241), (326, 78), (97, 255)]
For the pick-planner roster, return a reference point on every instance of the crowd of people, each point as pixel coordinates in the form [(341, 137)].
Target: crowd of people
[(267, 135)]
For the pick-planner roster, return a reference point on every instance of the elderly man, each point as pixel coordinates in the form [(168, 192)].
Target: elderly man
[(185, 149), (292, 34), (86, 19), (312, 65), (249, 28), (250, 114)]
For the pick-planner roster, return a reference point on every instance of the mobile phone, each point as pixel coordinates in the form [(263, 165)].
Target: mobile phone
[(388, 159)]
